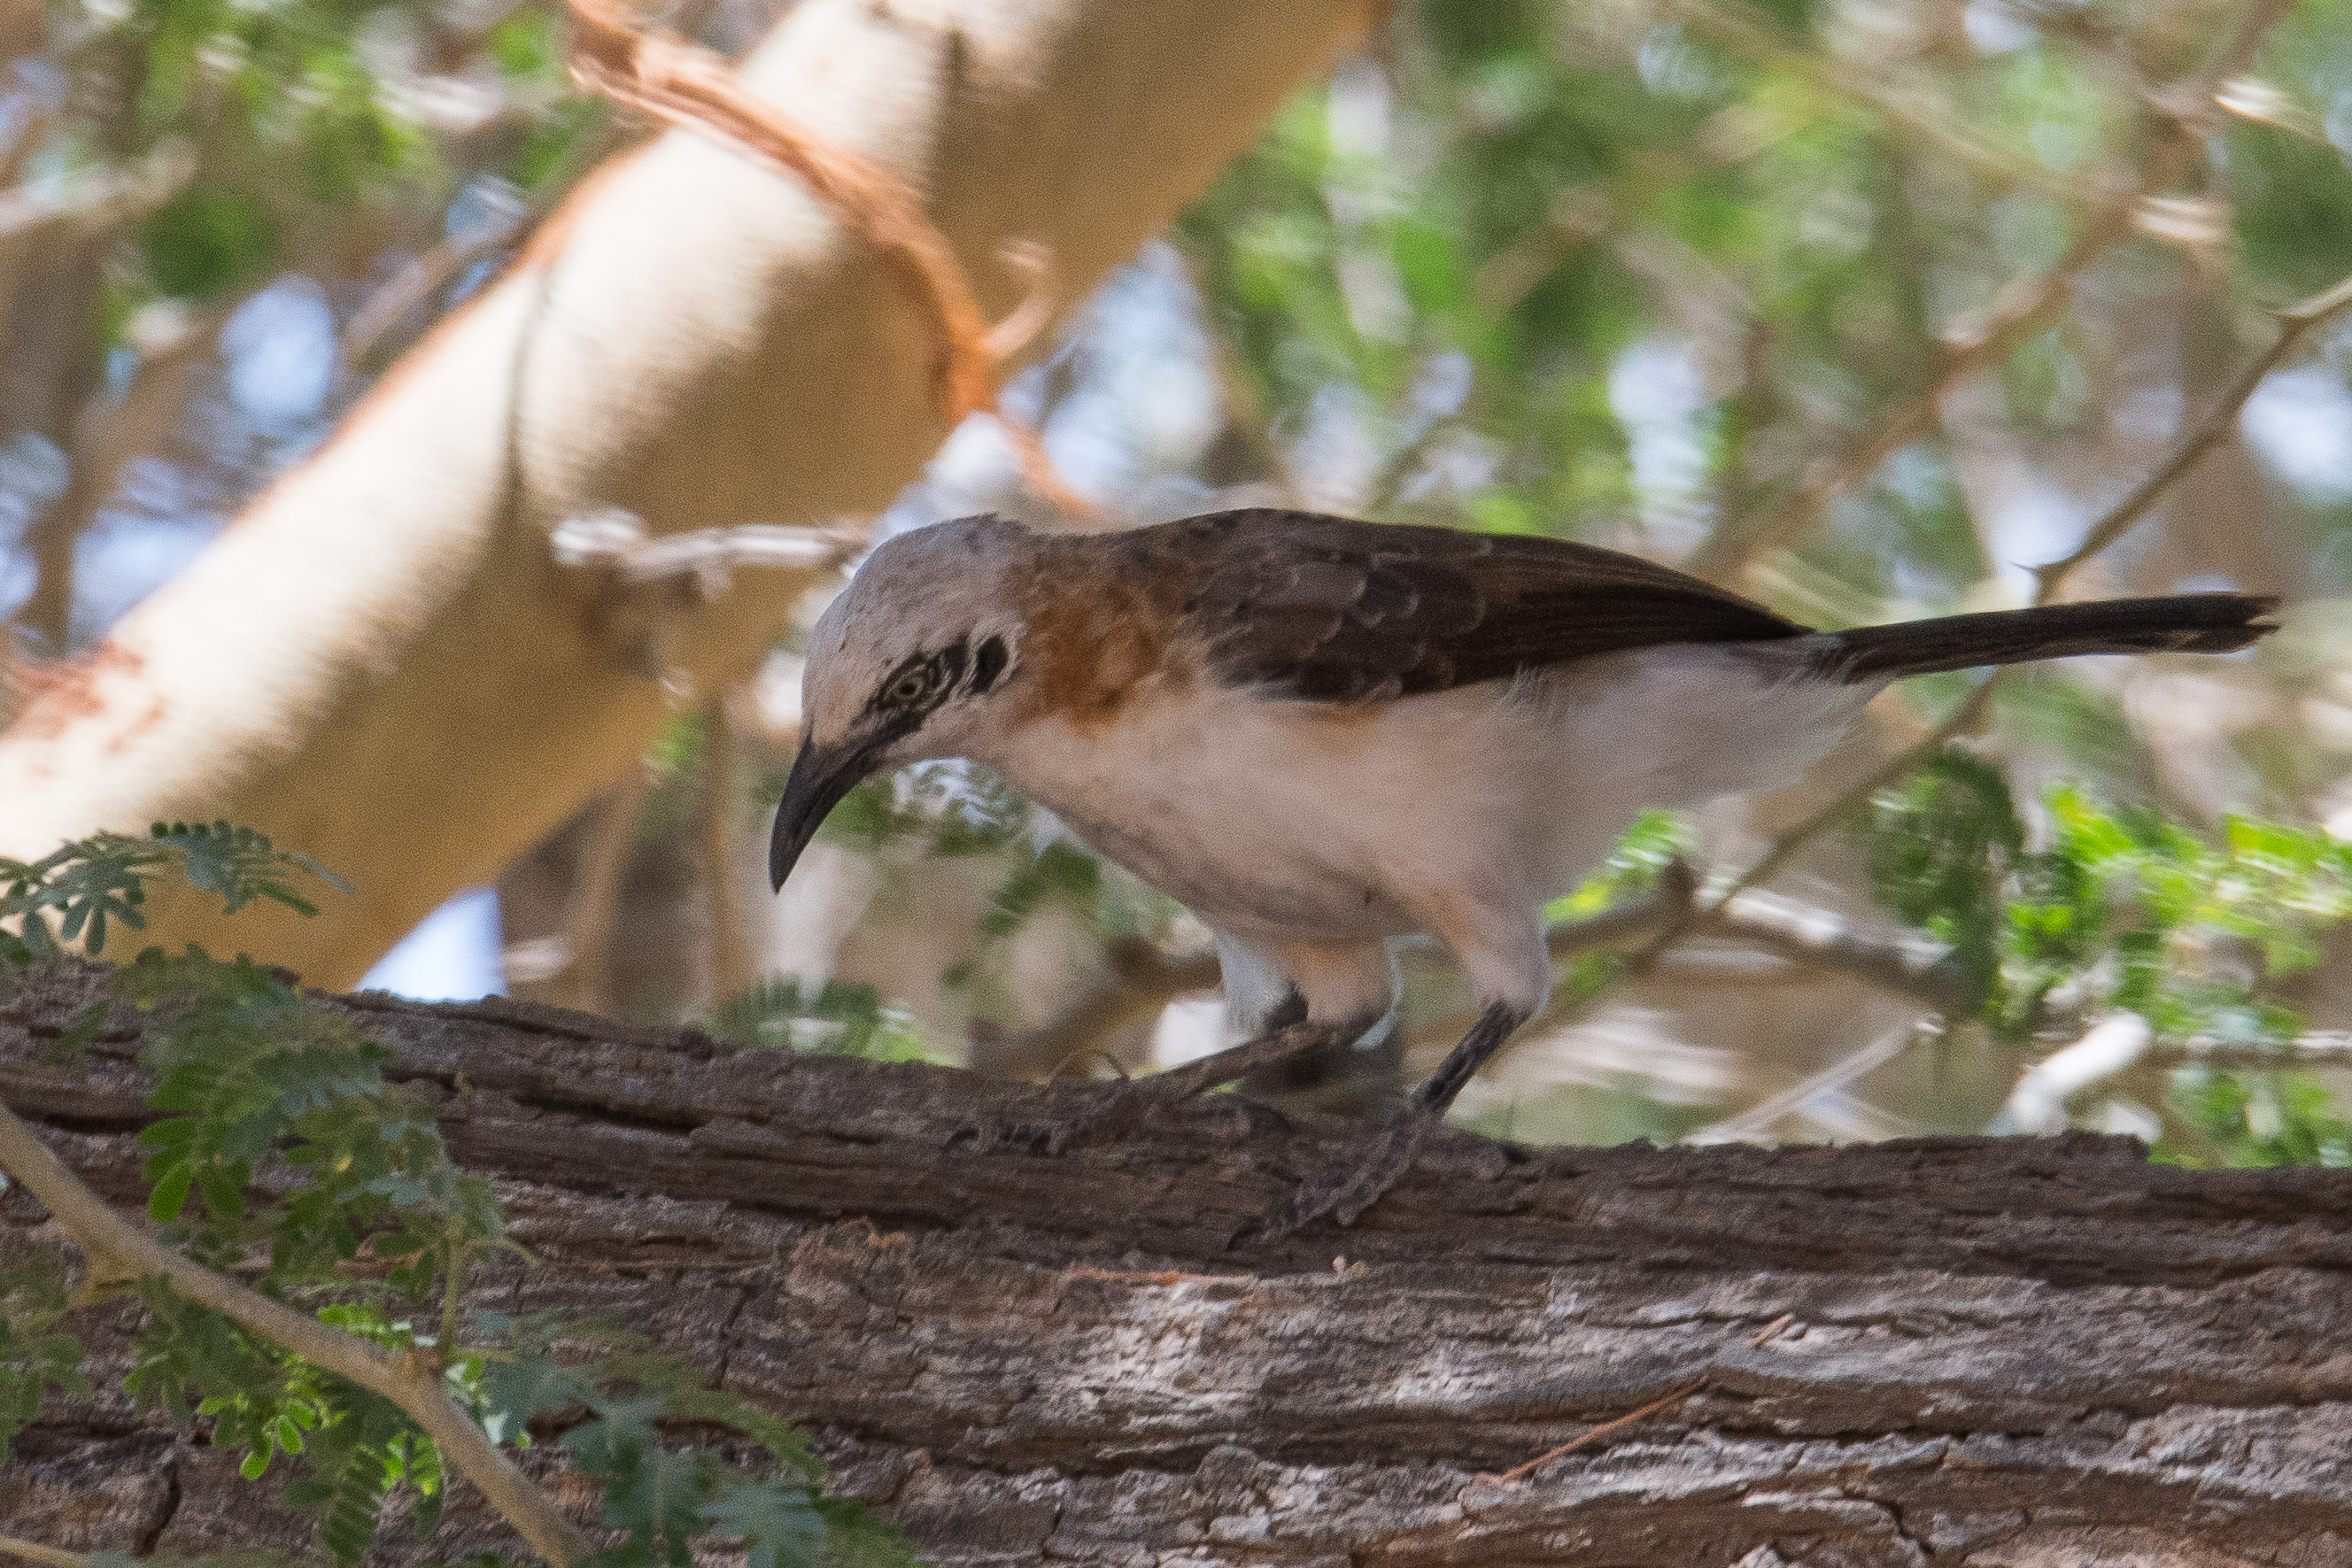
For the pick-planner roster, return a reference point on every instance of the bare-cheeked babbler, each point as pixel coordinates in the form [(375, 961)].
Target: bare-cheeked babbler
[(1320, 735)]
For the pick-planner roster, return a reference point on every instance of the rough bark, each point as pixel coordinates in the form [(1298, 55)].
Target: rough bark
[(381, 649), (1979, 1352)]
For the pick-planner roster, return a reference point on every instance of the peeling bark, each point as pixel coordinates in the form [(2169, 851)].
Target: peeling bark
[(1984, 1352)]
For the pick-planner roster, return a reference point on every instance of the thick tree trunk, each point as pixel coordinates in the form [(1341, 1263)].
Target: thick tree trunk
[(381, 665), (1970, 1351)]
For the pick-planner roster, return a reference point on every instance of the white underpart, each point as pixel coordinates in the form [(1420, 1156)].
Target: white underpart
[(1314, 833)]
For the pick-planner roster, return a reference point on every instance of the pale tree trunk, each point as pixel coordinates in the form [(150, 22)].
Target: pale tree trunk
[(380, 664), (1994, 1353)]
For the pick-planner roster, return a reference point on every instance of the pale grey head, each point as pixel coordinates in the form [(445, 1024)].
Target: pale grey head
[(901, 666)]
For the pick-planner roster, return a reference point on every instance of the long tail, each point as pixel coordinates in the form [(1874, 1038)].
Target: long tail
[(2182, 623)]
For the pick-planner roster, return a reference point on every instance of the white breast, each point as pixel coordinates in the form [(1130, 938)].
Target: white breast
[(1275, 818)]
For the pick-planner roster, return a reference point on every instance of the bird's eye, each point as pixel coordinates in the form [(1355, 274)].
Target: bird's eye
[(909, 687)]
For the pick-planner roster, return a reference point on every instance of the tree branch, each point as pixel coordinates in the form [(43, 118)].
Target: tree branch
[(1139, 980), (47, 1556), (687, 337), (120, 1252), (616, 541), (2297, 322), (1739, 25), (1758, 1119), (691, 87), (2015, 312), (2038, 1102)]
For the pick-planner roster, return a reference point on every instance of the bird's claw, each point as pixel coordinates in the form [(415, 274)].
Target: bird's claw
[(1127, 1109), (1110, 1115), (1345, 1201)]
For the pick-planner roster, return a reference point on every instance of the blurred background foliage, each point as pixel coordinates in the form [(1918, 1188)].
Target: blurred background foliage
[(1867, 307)]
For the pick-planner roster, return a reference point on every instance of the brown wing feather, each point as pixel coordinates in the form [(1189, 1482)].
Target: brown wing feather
[(1331, 610)]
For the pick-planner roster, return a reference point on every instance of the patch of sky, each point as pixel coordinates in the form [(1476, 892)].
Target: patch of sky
[(32, 477), (2299, 423), (1658, 394), (1995, 28), (453, 955), (1134, 399), (2039, 521), (280, 348)]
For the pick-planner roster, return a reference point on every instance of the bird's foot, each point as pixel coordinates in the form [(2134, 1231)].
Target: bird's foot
[(1346, 1199), (1048, 1139), (1132, 1105)]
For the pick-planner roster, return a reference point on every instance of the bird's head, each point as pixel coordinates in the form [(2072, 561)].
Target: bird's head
[(901, 667)]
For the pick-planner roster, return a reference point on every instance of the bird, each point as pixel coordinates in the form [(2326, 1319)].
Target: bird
[(1322, 734)]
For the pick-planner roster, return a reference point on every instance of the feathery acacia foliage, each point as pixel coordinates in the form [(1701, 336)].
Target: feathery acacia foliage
[(285, 1155)]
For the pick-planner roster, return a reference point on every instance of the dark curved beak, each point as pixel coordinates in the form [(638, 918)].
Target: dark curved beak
[(818, 781)]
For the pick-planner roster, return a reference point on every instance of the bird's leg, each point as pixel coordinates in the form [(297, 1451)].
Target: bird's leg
[(1273, 1050), (1392, 1155)]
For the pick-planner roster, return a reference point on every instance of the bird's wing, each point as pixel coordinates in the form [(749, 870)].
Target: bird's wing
[(1330, 609)]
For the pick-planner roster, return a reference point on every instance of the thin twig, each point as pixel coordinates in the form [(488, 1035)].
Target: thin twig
[(2015, 312), (616, 541), (690, 87), (1675, 1395), (591, 911), (1758, 1119), (118, 1252), (49, 1556), (1741, 26), (425, 275), (2297, 322)]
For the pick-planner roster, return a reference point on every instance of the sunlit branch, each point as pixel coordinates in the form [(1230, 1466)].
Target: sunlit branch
[(2038, 1102), (692, 87), (616, 542)]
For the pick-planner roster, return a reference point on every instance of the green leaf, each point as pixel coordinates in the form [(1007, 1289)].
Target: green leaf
[(34, 1361), (206, 241), (777, 1525), (835, 1018)]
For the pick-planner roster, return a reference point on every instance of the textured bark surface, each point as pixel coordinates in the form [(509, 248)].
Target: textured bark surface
[(1989, 1352)]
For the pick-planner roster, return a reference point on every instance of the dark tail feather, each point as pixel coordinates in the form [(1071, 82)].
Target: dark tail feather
[(2183, 622)]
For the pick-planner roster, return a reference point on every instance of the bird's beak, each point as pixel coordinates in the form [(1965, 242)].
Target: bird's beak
[(818, 781)]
